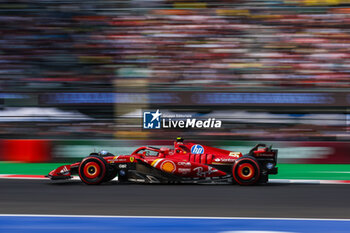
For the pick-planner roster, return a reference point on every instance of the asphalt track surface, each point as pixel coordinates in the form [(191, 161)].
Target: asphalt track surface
[(272, 200)]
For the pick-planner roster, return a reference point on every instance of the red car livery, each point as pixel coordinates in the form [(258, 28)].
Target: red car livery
[(186, 162)]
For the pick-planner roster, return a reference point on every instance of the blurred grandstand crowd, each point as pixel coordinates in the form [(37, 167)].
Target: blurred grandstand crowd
[(146, 46)]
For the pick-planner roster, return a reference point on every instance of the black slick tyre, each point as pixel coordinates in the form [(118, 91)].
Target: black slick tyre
[(92, 170), (246, 171)]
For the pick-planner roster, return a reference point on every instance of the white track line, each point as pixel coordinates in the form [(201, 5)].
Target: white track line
[(10, 176), (295, 181), (167, 217)]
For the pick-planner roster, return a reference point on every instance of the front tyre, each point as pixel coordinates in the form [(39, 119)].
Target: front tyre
[(92, 170), (246, 171)]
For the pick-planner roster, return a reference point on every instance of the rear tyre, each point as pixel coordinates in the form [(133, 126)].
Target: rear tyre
[(92, 170), (246, 171)]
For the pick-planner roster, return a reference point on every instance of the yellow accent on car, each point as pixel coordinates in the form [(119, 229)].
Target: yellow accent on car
[(154, 162), (234, 154)]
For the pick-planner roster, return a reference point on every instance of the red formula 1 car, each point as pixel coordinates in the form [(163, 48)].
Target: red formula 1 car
[(187, 162)]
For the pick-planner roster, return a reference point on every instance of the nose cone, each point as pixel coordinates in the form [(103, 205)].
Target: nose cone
[(62, 171), (51, 173)]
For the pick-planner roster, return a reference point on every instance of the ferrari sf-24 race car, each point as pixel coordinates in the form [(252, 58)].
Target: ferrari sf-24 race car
[(185, 163)]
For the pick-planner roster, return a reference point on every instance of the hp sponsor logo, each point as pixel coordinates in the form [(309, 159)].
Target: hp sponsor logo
[(197, 149)]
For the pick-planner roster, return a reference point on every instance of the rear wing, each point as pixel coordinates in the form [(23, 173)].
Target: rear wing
[(262, 151), (266, 156)]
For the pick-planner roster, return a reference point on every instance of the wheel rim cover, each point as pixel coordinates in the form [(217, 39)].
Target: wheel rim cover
[(92, 170), (246, 171)]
